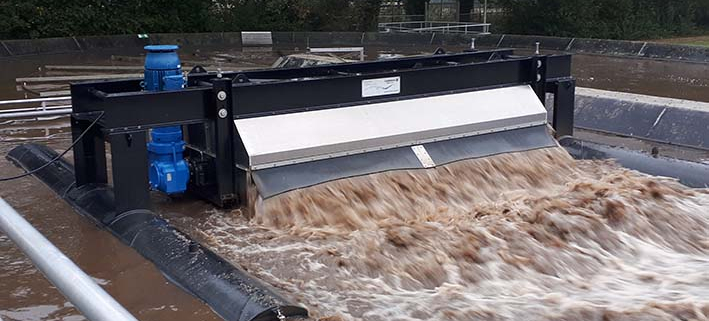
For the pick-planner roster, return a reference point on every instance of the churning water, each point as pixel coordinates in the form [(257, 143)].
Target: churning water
[(524, 236), (645, 276)]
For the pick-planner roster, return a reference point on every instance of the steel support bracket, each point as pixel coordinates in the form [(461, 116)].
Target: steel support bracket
[(224, 145), (564, 91)]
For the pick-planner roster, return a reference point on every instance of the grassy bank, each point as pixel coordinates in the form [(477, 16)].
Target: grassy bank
[(692, 41)]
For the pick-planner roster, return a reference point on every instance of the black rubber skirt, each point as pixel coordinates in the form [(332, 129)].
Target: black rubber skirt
[(691, 174)]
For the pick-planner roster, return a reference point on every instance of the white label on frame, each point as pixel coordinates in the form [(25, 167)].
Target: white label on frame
[(381, 86)]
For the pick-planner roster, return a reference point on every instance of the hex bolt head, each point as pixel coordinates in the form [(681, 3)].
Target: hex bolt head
[(222, 113), (221, 95)]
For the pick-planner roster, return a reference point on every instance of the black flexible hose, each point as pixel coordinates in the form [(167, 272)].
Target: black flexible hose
[(78, 139)]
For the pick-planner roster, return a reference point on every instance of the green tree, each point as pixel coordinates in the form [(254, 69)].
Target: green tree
[(51, 18), (616, 19), (415, 7)]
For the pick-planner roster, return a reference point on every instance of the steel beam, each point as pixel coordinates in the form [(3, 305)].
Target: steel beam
[(89, 153), (224, 142), (129, 161), (564, 102), (136, 110)]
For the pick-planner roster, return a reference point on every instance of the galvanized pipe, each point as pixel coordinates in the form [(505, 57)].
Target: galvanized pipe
[(93, 302), (20, 110), (36, 113), (34, 100)]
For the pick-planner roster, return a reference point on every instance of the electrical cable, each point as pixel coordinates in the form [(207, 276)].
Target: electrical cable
[(58, 157)]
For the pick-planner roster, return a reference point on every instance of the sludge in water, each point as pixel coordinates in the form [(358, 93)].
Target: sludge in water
[(523, 236)]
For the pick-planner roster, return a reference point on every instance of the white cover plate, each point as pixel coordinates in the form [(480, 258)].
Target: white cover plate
[(300, 137)]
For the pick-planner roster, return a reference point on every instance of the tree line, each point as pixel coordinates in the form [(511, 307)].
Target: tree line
[(21, 19), (614, 19), (617, 19)]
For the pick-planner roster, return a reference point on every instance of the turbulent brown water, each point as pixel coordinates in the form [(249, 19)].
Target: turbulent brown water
[(304, 260), (524, 236)]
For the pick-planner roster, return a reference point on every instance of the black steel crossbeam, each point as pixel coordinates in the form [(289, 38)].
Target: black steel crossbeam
[(82, 90), (131, 111), (364, 67), (258, 99), (141, 110)]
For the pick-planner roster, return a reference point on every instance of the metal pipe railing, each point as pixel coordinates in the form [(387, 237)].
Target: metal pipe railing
[(93, 302), (435, 26), (359, 50), (20, 110), (38, 111), (34, 100)]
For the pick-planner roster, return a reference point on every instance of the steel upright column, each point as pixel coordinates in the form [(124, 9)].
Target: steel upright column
[(129, 160), (223, 140), (539, 76), (89, 153), (564, 103)]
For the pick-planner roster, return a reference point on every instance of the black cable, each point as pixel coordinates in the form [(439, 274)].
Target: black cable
[(78, 139)]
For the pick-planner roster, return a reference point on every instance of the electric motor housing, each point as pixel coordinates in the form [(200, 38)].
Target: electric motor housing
[(160, 61), (168, 171)]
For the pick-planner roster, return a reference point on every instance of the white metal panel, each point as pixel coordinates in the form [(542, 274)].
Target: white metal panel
[(256, 38), (336, 49), (423, 156), (299, 137)]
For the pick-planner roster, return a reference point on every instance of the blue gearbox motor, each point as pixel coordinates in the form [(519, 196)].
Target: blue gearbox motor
[(169, 172)]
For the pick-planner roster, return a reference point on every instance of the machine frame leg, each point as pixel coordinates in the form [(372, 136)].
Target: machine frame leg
[(223, 142), (539, 76), (129, 161), (564, 102), (89, 153)]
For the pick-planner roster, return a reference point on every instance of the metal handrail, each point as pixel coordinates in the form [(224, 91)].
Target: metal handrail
[(37, 111), (359, 50), (79, 288), (434, 26), (34, 100), (20, 110)]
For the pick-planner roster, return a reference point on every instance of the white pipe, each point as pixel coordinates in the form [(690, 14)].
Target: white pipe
[(36, 113), (34, 100), (93, 302), (20, 110)]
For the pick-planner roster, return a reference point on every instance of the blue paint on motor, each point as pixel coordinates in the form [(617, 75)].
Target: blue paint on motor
[(169, 172), (161, 61)]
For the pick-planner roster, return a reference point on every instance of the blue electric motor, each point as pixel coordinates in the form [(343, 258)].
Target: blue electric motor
[(169, 172)]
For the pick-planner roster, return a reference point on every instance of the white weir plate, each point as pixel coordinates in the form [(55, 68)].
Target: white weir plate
[(300, 137), (423, 156)]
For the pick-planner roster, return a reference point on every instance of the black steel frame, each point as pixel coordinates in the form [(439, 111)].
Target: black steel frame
[(129, 112)]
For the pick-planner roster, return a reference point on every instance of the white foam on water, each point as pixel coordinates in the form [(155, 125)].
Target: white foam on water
[(525, 236)]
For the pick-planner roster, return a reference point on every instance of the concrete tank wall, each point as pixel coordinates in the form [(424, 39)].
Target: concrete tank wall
[(302, 40), (666, 120)]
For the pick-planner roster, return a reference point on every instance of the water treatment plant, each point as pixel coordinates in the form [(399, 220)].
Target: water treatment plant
[(354, 176)]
